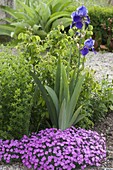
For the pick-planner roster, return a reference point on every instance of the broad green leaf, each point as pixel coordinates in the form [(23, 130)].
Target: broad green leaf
[(27, 2), (44, 12), (72, 82), (111, 107), (29, 10), (48, 100), (65, 5), (36, 94), (9, 11), (75, 95), (62, 116), (9, 20), (54, 17), (6, 29), (56, 8), (22, 16), (62, 21), (53, 97), (111, 97), (75, 116), (41, 33), (19, 29), (60, 14), (79, 118), (20, 24), (60, 6)]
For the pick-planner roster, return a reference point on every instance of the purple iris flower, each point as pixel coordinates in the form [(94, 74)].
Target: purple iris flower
[(76, 17), (82, 11), (79, 17), (84, 51), (79, 25), (88, 44)]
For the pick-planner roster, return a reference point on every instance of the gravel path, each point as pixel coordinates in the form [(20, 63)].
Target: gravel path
[(102, 63)]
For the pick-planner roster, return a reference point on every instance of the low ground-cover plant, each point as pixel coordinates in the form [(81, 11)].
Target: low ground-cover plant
[(56, 149)]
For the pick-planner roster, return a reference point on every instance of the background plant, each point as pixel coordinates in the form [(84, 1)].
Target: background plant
[(39, 15)]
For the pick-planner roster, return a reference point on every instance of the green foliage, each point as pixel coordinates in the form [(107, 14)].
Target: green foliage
[(39, 16), (19, 114), (43, 56), (61, 102), (102, 25), (15, 97), (102, 100)]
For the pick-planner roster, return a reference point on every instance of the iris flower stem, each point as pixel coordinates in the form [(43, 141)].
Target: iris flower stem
[(78, 67)]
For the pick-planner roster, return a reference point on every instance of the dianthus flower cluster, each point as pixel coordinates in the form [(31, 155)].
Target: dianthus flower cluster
[(56, 149)]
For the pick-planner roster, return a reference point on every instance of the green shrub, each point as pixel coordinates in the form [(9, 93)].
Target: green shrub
[(101, 101), (16, 98)]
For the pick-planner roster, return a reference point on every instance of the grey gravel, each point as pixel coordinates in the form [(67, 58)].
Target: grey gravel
[(102, 63)]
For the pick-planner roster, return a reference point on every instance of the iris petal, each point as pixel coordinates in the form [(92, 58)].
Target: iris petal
[(87, 22), (82, 11), (75, 17), (84, 51), (79, 25), (89, 43)]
